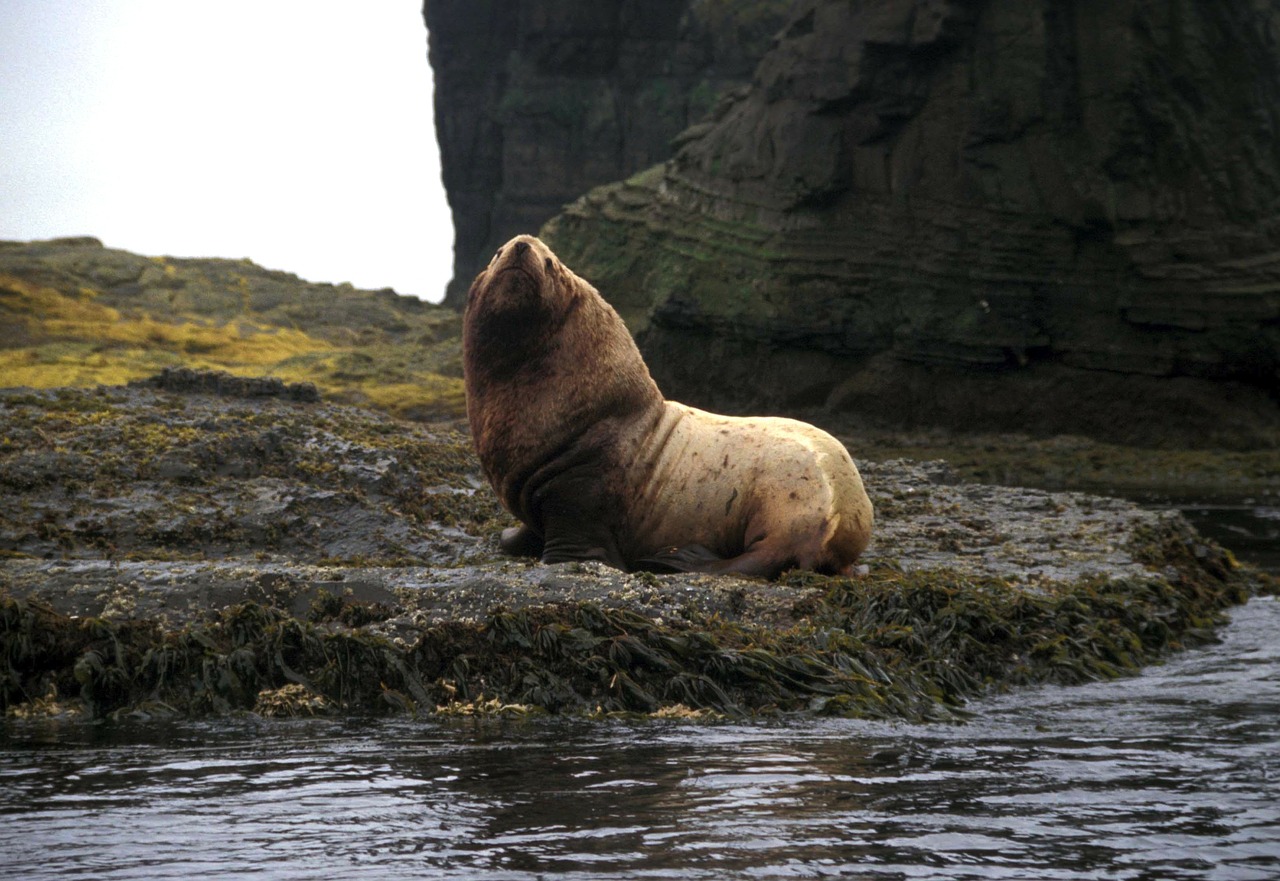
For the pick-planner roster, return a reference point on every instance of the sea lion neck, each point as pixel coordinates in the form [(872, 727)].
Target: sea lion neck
[(500, 344), (546, 374)]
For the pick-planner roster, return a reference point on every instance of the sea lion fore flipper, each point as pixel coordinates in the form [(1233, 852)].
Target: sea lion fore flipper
[(521, 541)]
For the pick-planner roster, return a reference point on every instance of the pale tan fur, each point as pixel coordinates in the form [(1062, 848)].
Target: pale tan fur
[(729, 483)]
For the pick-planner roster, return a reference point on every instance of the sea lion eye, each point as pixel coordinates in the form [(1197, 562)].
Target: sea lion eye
[(550, 264)]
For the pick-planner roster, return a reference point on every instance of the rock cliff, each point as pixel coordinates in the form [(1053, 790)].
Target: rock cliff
[(1043, 216), (537, 102)]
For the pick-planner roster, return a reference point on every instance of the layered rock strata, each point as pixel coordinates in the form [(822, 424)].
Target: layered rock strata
[(972, 213)]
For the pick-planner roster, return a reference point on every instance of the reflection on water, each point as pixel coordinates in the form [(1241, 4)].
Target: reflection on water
[(1173, 774), (1251, 530)]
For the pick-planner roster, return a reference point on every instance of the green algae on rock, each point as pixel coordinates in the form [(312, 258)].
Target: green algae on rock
[(196, 553)]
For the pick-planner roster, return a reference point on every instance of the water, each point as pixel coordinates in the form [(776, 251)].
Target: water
[(1174, 774), (1250, 529)]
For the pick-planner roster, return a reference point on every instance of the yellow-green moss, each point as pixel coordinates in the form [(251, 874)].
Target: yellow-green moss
[(72, 340)]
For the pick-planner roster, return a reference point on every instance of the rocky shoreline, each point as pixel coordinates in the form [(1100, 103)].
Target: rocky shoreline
[(185, 547)]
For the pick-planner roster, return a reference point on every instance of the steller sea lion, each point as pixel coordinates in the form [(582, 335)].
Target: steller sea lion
[(580, 446)]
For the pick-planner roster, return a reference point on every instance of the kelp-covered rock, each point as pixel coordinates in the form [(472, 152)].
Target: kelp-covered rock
[(219, 550), (135, 473), (976, 214)]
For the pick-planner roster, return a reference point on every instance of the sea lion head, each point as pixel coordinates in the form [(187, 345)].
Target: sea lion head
[(524, 278)]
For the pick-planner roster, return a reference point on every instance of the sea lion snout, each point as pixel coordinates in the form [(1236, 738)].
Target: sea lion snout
[(516, 280), (521, 255)]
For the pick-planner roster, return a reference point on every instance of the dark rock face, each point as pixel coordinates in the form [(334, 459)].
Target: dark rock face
[(1003, 214), (210, 382), (537, 102)]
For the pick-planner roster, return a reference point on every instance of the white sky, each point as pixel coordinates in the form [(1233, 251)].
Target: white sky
[(297, 134)]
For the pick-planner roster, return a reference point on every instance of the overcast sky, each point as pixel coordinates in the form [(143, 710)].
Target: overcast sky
[(297, 133)]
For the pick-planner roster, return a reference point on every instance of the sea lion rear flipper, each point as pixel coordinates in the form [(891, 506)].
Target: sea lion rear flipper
[(761, 560), (690, 558)]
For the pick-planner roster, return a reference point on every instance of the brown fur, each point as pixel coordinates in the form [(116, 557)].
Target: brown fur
[(577, 441)]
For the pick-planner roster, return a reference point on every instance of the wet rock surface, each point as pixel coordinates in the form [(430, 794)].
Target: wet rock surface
[(119, 472), (229, 484), (226, 529)]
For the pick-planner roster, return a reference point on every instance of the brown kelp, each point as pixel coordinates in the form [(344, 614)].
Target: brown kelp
[(894, 644)]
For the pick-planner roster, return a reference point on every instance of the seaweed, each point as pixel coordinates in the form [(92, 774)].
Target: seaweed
[(891, 645)]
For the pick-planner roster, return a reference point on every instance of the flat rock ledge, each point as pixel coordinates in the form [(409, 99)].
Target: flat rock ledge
[(187, 553)]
